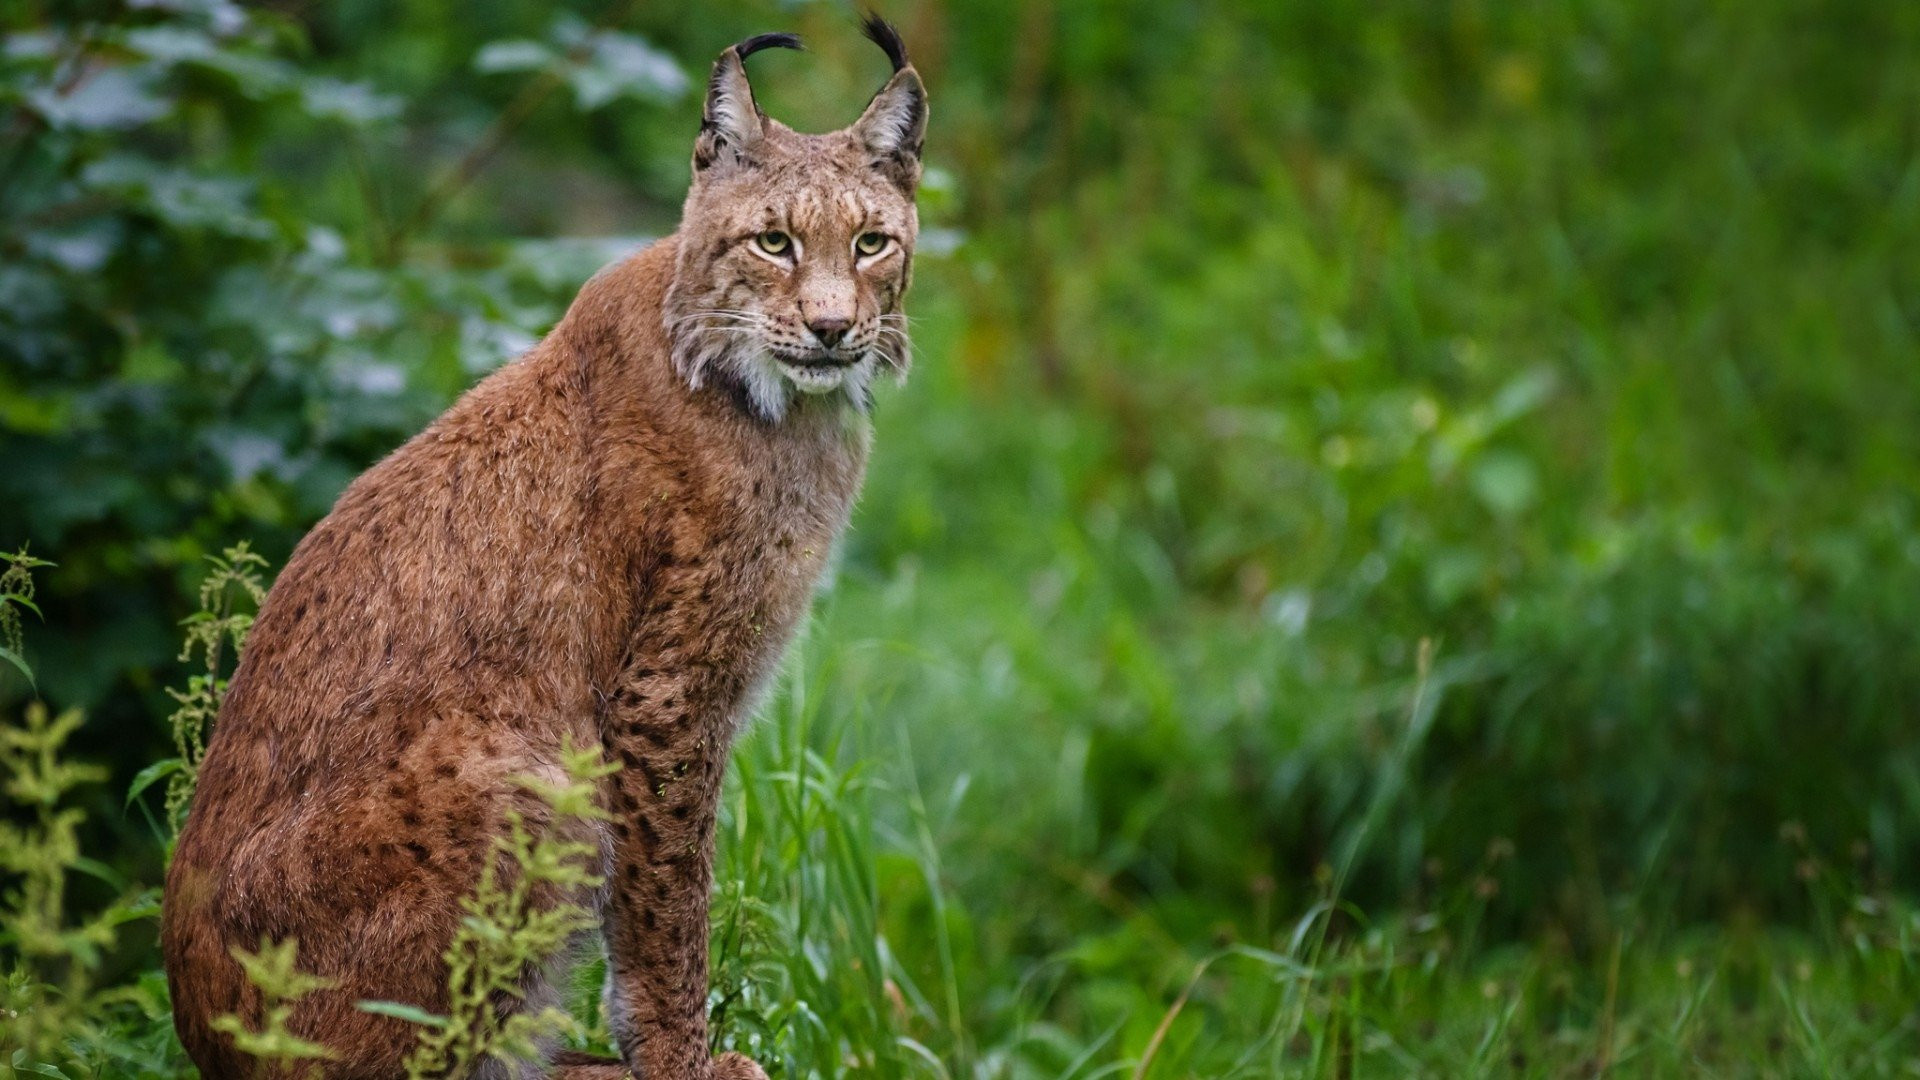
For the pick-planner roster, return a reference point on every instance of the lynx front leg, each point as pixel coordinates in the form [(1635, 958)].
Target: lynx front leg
[(673, 751)]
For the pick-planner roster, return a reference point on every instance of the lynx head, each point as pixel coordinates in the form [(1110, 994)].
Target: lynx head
[(795, 249)]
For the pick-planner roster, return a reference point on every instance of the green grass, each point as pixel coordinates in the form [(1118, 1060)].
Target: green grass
[(890, 901)]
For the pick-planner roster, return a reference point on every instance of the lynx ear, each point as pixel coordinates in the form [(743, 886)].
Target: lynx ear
[(895, 123), (732, 123)]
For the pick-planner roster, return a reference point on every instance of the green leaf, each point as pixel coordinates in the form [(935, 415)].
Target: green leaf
[(20, 601), (172, 44), (621, 65), (99, 871), (1522, 394), (15, 659), (151, 775), (113, 99), (142, 905), (349, 102), (515, 55), (1507, 482), (412, 1014)]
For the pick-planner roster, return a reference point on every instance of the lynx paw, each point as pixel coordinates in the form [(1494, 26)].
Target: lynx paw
[(737, 1067)]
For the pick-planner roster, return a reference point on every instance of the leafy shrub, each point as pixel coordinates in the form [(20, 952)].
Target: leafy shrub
[(234, 580), (52, 995), (274, 971), (201, 334)]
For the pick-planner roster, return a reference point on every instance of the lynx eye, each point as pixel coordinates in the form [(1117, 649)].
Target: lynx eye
[(870, 243), (774, 242)]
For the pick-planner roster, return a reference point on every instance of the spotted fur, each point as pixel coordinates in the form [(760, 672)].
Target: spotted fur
[(608, 541)]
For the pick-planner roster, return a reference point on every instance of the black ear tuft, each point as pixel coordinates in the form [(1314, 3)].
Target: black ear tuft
[(882, 33), (767, 41), (895, 123), (731, 123)]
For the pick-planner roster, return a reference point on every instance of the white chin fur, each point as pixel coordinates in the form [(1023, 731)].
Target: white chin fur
[(815, 380), (771, 384)]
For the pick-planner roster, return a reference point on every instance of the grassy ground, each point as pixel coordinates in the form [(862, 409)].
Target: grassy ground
[(893, 902), (1399, 555)]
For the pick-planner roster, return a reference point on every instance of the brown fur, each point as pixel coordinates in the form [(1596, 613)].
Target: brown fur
[(610, 540)]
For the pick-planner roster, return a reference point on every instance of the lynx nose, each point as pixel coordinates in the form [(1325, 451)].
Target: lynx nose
[(830, 329)]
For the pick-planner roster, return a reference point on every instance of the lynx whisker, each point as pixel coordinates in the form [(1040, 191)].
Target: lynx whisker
[(752, 317)]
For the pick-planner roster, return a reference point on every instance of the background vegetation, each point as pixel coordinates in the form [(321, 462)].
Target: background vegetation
[(1400, 555)]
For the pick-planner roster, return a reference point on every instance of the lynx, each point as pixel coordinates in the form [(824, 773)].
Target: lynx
[(608, 541)]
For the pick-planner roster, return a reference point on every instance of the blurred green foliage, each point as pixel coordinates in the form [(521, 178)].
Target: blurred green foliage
[(1263, 349)]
